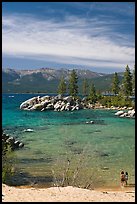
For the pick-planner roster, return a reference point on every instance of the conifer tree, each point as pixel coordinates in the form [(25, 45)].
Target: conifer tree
[(73, 87), (127, 82), (92, 94), (62, 86), (115, 84)]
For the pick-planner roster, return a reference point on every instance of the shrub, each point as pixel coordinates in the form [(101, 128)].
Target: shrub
[(8, 158)]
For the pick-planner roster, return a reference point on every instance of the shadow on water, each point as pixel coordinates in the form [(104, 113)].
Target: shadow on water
[(101, 153), (69, 143), (25, 179), (28, 161), (91, 132)]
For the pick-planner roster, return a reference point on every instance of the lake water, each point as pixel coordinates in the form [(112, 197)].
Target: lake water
[(64, 145)]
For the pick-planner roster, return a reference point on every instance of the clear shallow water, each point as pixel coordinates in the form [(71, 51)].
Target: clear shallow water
[(99, 151)]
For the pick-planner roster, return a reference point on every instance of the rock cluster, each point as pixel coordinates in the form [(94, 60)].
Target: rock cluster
[(8, 140), (128, 114), (69, 103), (56, 103)]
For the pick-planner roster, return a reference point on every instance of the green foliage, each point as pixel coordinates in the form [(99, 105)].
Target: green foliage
[(105, 101), (127, 82), (8, 158), (99, 95), (117, 101), (92, 94), (73, 87), (62, 86), (115, 84)]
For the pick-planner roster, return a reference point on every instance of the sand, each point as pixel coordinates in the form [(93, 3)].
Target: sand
[(65, 194)]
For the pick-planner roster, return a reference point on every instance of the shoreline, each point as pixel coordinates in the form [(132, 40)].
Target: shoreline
[(66, 194), (129, 187)]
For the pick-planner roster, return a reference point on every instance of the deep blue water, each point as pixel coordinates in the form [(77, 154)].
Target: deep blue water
[(100, 150)]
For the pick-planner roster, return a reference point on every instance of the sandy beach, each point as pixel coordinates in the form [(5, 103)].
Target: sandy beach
[(66, 194)]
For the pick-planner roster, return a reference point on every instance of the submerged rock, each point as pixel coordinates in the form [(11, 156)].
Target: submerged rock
[(14, 144), (28, 130), (105, 168), (21, 144), (90, 122)]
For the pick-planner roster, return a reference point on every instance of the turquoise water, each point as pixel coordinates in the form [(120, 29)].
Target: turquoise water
[(97, 152)]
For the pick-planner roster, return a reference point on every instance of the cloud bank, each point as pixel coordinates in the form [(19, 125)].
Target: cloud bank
[(72, 41)]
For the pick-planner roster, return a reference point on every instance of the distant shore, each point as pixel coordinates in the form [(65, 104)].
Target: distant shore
[(66, 194)]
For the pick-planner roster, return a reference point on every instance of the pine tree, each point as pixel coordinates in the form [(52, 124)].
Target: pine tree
[(73, 87), (92, 94), (85, 87), (62, 86), (115, 84), (127, 82)]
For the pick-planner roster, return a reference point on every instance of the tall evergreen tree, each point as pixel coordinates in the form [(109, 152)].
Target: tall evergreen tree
[(133, 81), (127, 82), (73, 87), (85, 87), (62, 86), (115, 84), (92, 94)]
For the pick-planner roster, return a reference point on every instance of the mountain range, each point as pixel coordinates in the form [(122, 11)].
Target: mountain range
[(46, 80)]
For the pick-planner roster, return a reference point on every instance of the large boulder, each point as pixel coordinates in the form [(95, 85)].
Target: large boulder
[(57, 106), (62, 108), (58, 97), (45, 103), (68, 99), (38, 106), (119, 113), (10, 141), (21, 144), (131, 113), (49, 107), (45, 98), (28, 102), (123, 115), (16, 144)]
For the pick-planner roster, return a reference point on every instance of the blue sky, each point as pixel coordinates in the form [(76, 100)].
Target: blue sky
[(99, 36)]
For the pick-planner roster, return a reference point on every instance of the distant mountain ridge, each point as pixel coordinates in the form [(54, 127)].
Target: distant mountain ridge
[(50, 73), (46, 80)]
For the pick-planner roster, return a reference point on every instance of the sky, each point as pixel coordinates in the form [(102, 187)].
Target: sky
[(99, 36)]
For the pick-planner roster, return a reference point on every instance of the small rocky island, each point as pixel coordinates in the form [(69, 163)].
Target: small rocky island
[(56, 103), (70, 103)]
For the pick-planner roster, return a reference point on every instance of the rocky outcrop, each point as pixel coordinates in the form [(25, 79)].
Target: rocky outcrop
[(8, 140), (69, 103), (56, 103)]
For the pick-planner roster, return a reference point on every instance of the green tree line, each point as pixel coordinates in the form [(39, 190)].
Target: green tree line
[(121, 91)]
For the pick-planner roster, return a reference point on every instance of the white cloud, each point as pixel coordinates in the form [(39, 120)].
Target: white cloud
[(73, 41)]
